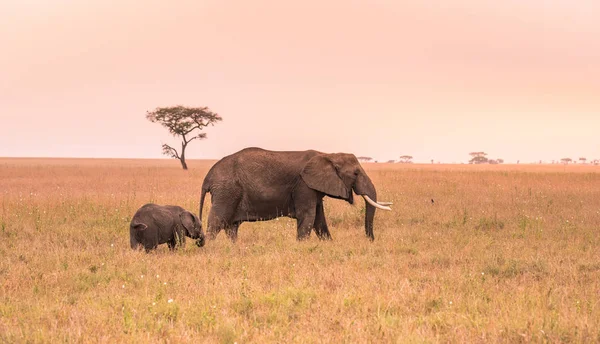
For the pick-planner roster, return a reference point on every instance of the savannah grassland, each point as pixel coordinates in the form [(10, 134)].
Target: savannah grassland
[(506, 254)]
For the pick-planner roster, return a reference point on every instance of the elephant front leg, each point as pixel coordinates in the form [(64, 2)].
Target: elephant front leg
[(178, 239), (305, 225), (321, 223), (305, 219), (305, 203), (171, 244)]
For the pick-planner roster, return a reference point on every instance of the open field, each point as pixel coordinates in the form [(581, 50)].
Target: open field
[(508, 253)]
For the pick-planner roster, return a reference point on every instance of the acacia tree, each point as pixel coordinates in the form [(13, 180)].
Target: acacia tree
[(566, 160), (364, 158), (406, 159), (478, 158), (183, 121)]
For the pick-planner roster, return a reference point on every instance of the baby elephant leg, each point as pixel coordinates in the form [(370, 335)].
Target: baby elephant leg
[(178, 239)]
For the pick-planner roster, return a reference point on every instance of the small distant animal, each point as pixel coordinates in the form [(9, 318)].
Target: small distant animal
[(432, 202), (155, 224)]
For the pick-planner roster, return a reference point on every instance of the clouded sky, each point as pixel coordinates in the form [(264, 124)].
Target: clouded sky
[(518, 79)]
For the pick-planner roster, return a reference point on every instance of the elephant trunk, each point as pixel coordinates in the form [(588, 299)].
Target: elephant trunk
[(134, 234), (200, 241), (366, 189), (132, 242), (369, 217)]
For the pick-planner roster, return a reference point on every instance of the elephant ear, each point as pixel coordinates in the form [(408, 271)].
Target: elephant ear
[(320, 174), (139, 226), (188, 220)]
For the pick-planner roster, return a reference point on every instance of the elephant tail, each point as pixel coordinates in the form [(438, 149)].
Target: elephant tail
[(205, 189)]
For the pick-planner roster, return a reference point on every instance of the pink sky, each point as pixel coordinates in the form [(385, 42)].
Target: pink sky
[(519, 80)]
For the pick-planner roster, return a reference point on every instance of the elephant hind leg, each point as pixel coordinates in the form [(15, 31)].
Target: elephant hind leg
[(321, 228), (215, 224), (232, 231), (218, 220), (225, 201)]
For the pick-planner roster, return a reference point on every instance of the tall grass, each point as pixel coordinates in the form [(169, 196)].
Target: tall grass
[(504, 254)]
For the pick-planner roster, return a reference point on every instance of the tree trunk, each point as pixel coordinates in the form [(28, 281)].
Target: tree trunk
[(182, 158), (183, 164)]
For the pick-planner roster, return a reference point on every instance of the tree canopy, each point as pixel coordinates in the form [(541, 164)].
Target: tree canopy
[(183, 121), (478, 158), (406, 159), (566, 160)]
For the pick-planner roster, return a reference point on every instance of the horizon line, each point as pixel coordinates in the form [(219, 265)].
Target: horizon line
[(540, 162)]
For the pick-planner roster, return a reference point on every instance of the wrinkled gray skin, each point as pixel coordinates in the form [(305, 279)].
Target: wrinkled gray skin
[(256, 185), (154, 224)]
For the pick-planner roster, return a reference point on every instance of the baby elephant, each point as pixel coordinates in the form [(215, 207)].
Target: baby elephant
[(154, 224)]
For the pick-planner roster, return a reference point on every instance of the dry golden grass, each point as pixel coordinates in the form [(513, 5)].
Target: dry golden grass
[(506, 254)]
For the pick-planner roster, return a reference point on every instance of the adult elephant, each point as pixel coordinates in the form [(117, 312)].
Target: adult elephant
[(257, 185)]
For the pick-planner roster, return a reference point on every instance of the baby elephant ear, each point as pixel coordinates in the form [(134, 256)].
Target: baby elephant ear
[(320, 174), (140, 226), (188, 220)]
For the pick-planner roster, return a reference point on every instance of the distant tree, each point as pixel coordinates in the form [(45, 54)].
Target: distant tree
[(596, 162), (492, 162), (432, 161), (583, 160), (500, 161), (391, 161), (478, 158), (364, 158), (406, 159), (183, 121), (566, 160)]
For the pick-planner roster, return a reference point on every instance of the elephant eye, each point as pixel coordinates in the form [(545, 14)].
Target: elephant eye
[(356, 172)]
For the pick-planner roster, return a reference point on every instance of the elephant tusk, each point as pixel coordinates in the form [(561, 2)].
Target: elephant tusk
[(375, 204), (385, 203)]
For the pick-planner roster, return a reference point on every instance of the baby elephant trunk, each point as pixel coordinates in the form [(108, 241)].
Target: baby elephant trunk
[(134, 244), (193, 227), (199, 236), (200, 241), (135, 230)]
